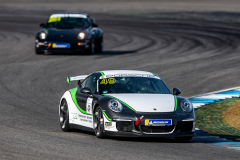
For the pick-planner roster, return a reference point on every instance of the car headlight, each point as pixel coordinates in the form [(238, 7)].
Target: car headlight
[(81, 35), (186, 106), (115, 106), (42, 35)]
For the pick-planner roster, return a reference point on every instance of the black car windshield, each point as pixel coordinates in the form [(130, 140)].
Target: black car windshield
[(132, 85), (67, 22)]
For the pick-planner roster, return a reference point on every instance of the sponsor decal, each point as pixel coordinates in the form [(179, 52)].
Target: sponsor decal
[(83, 120), (74, 115), (89, 105), (55, 45), (158, 122), (81, 116), (108, 123), (87, 119)]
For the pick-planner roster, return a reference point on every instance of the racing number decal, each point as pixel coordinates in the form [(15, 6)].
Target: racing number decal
[(89, 105), (108, 81), (54, 19)]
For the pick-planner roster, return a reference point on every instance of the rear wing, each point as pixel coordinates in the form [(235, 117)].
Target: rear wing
[(77, 78)]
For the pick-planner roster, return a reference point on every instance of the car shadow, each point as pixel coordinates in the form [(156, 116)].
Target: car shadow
[(131, 139), (104, 53), (109, 53)]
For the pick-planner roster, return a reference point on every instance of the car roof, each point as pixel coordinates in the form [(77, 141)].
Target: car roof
[(82, 15), (114, 72)]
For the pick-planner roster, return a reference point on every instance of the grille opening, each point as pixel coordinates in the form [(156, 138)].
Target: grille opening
[(137, 127), (157, 129), (125, 126), (185, 126)]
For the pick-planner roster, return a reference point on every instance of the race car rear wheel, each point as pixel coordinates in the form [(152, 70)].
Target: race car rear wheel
[(99, 47), (183, 139), (64, 116), (98, 122)]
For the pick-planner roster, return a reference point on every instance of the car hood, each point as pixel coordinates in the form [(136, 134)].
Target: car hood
[(148, 102), (62, 34)]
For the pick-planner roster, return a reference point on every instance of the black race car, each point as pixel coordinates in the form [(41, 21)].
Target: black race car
[(126, 103), (69, 33)]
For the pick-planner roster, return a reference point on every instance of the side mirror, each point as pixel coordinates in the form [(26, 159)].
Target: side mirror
[(86, 90), (92, 20), (94, 25), (176, 91), (42, 25)]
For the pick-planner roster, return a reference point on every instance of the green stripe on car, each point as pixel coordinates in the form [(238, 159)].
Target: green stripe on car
[(68, 80), (119, 101), (175, 103), (73, 95), (102, 74), (107, 116)]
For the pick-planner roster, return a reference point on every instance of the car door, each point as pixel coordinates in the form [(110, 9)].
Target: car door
[(83, 100), (92, 29)]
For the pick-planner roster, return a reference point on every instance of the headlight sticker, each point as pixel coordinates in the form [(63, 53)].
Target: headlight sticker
[(108, 81)]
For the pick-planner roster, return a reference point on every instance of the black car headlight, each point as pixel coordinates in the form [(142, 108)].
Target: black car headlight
[(42, 35), (186, 106), (81, 35), (115, 106)]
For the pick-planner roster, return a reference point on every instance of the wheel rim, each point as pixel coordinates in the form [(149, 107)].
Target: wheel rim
[(63, 114), (98, 121)]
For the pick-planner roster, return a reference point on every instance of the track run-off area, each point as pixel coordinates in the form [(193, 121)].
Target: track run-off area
[(197, 56)]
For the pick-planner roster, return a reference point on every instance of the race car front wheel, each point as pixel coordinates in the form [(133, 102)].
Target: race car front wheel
[(98, 122), (64, 116), (38, 52)]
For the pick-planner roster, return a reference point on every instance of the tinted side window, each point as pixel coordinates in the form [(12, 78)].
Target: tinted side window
[(92, 83), (83, 84)]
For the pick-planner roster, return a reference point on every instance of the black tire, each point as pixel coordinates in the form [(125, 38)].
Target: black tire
[(183, 139), (64, 116), (98, 122), (91, 48), (99, 47), (38, 52)]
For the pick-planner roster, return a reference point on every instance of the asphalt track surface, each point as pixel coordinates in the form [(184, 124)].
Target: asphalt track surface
[(196, 56)]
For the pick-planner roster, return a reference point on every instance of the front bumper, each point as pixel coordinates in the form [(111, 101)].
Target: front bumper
[(134, 134), (181, 127), (74, 46)]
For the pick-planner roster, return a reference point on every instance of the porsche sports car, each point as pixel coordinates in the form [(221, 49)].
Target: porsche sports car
[(69, 33), (126, 103)]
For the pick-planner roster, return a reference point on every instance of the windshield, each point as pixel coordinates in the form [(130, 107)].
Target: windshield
[(67, 22), (132, 85)]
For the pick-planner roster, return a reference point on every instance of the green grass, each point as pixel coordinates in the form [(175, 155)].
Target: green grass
[(209, 119)]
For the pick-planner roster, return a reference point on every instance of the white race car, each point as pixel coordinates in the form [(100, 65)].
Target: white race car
[(126, 103)]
